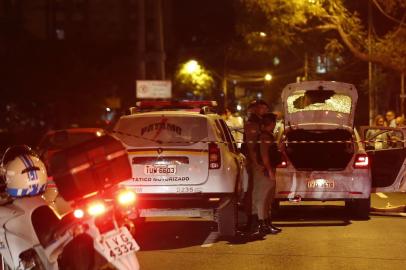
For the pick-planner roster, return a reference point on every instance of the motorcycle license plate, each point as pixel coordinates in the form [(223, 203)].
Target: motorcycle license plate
[(118, 243)]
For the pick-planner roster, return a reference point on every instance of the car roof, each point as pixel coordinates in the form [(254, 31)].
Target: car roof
[(173, 113), (75, 130)]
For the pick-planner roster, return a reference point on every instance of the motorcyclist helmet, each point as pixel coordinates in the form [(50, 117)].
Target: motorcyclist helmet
[(25, 174)]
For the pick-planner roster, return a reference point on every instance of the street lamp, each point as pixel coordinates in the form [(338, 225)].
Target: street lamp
[(268, 77), (192, 66)]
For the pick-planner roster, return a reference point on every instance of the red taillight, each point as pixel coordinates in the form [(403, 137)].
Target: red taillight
[(96, 208), (126, 197), (283, 164), (78, 213), (214, 156), (361, 161)]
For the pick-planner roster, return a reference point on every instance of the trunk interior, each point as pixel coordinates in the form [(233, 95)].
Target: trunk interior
[(307, 155)]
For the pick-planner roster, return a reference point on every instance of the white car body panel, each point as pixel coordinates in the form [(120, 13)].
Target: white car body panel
[(349, 183), (189, 175)]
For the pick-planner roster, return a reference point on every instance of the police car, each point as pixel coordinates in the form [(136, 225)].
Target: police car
[(184, 161), (325, 158)]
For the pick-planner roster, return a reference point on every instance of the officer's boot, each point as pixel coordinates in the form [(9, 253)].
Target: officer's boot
[(272, 228), (253, 223), (263, 228)]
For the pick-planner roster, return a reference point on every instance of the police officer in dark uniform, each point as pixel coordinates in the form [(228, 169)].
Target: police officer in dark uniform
[(251, 132), (264, 174)]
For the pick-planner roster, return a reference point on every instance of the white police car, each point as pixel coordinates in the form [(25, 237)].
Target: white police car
[(184, 160), (325, 157)]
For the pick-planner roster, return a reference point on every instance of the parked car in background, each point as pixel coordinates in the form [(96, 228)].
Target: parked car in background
[(324, 156), (185, 162), (54, 141)]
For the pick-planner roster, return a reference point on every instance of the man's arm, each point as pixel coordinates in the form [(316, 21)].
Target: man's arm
[(251, 137)]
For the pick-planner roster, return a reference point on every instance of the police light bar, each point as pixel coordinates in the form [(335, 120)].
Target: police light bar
[(183, 104)]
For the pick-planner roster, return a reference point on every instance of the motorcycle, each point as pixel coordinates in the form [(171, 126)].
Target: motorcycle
[(105, 218), (32, 236)]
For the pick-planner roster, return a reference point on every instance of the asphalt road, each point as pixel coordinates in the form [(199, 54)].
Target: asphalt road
[(315, 236)]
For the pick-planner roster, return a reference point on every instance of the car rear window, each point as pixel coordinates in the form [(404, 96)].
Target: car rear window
[(162, 130), (313, 100)]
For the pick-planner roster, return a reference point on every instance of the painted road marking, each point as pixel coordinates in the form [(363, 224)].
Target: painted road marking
[(381, 195), (210, 239)]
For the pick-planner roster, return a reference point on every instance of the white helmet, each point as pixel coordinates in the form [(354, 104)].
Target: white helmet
[(25, 173)]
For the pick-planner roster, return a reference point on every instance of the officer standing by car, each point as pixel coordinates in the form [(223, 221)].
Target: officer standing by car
[(256, 109), (264, 175)]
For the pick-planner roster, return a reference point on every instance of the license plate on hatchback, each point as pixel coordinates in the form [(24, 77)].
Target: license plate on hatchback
[(320, 183), (160, 169), (118, 243)]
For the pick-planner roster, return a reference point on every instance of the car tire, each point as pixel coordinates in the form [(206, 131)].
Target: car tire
[(227, 218), (359, 208)]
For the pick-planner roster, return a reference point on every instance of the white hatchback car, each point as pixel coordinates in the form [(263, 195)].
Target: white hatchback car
[(325, 158), (185, 162)]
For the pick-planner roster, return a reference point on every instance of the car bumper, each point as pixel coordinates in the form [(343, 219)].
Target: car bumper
[(346, 185)]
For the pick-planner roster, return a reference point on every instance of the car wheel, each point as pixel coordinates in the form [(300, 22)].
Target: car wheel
[(358, 208), (228, 218)]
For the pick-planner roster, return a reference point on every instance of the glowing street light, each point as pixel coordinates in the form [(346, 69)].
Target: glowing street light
[(262, 34), (192, 66), (268, 77)]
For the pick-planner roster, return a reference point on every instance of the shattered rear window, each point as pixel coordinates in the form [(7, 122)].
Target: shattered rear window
[(319, 100)]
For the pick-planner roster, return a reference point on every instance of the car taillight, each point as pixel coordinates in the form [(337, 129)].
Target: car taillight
[(126, 197), (214, 156), (96, 208), (78, 213), (283, 164), (361, 161)]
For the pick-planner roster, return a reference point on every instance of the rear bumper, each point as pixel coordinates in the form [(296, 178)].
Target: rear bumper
[(347, 185), (183, 201)]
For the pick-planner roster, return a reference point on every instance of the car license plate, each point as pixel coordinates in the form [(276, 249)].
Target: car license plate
[(118, 243), (320, 183), (160, 169)]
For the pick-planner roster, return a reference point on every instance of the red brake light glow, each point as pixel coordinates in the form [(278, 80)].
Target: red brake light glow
[(361, 161), (214, 156), (96, 208), (126, 197)]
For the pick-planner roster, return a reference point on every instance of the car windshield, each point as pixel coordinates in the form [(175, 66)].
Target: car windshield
[(162, 130), (315, 100)]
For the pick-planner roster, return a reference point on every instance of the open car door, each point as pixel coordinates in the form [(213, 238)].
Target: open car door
[(386, 149)]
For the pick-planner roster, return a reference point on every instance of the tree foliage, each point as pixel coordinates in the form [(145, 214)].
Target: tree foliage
[(291, 22)]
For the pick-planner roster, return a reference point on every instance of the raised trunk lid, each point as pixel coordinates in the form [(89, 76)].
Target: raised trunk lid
[(319, 105)]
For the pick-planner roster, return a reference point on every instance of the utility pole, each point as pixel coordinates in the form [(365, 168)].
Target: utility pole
[(159, 41), (141, 65), (402, 94), (371, 92), (306, 67)]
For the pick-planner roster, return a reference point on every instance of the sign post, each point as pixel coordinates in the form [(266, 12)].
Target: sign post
[(153, 89)]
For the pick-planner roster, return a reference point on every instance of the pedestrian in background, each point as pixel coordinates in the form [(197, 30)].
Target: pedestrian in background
[(256, 109), (264, 176), (390, 118), (379, 139), (400, 121)]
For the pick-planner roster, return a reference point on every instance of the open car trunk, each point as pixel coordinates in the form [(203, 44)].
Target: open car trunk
[(319, 149)]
